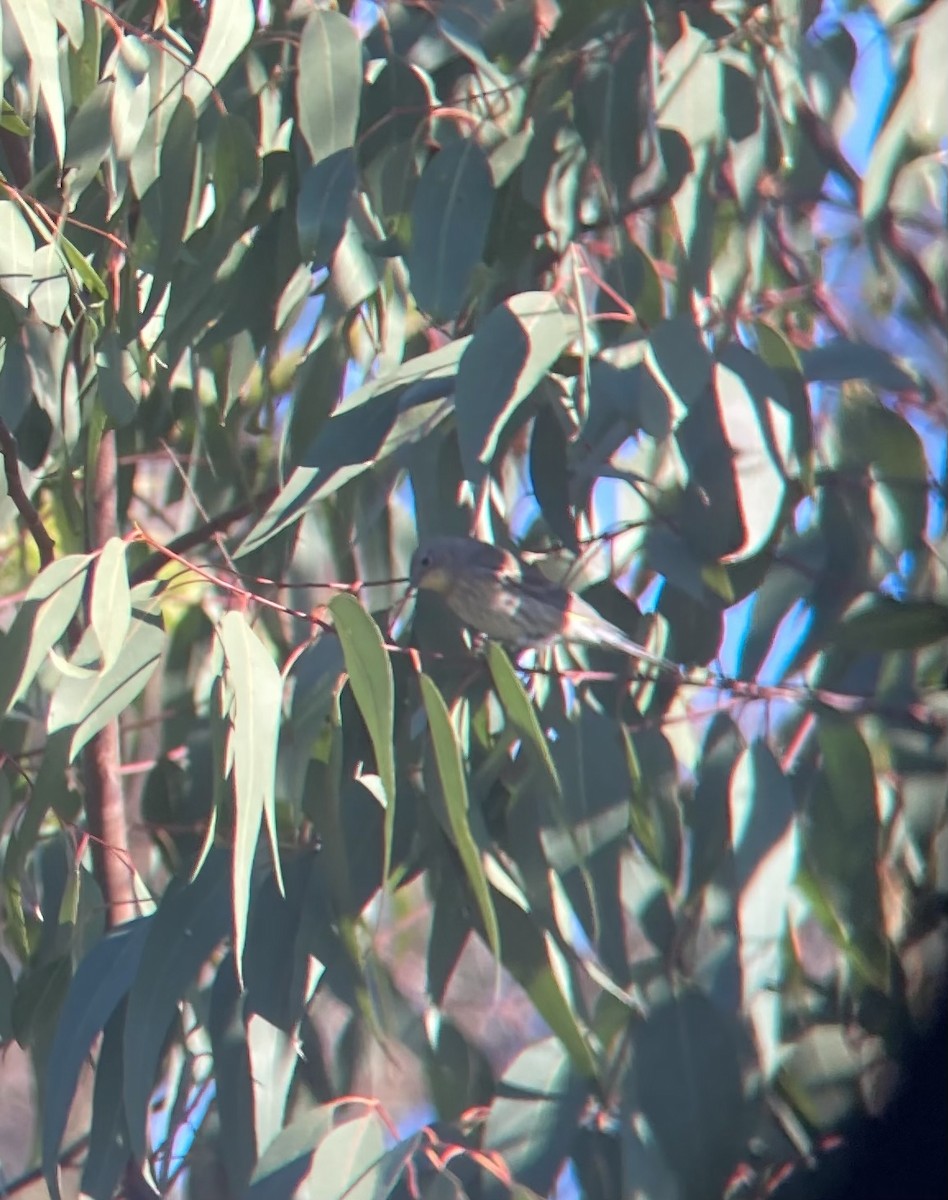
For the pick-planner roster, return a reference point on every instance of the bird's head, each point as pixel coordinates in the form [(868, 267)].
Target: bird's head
[(440, 562), (434, 564)]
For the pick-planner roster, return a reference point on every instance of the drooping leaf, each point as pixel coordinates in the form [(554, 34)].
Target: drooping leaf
[(108, 1137), (101, 981), (520, 712), (37, 26), (453, 780), (686, 1079), (191, 920), (111, 607), (370, 677), (256, 688)]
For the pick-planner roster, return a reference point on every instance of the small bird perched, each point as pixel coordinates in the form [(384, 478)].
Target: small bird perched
[(496, 594)]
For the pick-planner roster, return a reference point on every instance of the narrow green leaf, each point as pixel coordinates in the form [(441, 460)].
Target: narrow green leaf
[(328, 83), (454, 788), (37, 27), (51, 603), (111, 606), (232, 1069), (519, 709), (386, 414), (370, 677), (11, 120), (101, 980), (532, 957), (87, 273), (17, 247), (108, 1137), (190, 921), (257, 691), (686, 1078)]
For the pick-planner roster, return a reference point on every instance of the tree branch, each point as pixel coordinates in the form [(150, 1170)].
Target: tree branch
[(203, 533), (105, 802), (24, 505)]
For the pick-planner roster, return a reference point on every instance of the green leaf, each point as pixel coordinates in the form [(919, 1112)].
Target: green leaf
[(322, 206), (878, 623), (17, 247), (506, 360), (111, 606), (256, 688), (395, 105), (450, 217), (89, 276), (87, 702), (385, 415), (119, 380), (841, 840), (230, 26), (519, 709), (11, 120), (550, 475), (50, 604), (37, 27), (50, 291), (841, 359), (370, 677), (341, 1162), (232, 1070), (765, 843), (101, 981), (131, 99), (454, 789), (654, 817), (108, 1137), (533, 1117), (686, 1080), (191, 920), (759, 436), (328, 83)]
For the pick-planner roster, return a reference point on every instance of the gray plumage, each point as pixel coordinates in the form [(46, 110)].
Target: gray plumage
[(512, 602)]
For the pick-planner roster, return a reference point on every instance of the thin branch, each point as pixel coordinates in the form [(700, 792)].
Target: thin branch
[(197, 537), (24, 505)]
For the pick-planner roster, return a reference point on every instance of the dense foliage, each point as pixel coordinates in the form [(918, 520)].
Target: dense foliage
[(333, 902)]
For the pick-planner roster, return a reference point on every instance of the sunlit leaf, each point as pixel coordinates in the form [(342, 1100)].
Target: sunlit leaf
[(257, 702), (453, 779)]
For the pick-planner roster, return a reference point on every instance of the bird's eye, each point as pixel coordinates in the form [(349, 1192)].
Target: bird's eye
[(425, 560)]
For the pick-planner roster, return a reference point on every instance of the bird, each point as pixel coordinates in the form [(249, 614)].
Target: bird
[(509, 601)]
